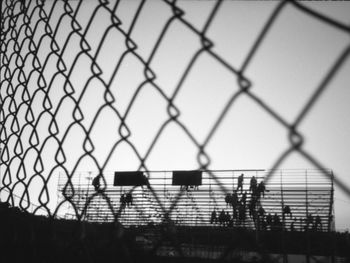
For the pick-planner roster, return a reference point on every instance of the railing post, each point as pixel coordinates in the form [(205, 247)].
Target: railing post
[(285, 257), (307, 223)]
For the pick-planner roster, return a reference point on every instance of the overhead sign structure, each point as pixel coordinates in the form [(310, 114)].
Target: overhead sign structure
[(187, 177), (129, 179)]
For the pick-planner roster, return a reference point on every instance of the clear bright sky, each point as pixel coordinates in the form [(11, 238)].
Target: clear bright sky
[(289, 65)]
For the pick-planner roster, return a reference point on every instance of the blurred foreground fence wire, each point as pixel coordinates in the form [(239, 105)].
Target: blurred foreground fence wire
[(55, 54)]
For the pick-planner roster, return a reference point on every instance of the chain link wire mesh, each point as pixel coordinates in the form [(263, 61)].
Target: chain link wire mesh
[(61, 73)]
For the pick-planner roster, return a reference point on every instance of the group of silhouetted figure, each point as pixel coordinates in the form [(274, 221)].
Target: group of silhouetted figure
[(268, 221), (242, 204), (125, 200), (239, 205)]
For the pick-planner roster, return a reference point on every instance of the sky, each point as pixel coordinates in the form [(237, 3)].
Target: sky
[(288, 66)]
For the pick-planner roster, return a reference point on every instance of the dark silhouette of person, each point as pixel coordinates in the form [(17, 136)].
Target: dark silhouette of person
[(286, 210), (301, 224), (243, 200), (234, 199), (128, 199), (253, 184), (230, 223), (318, 223), (261, 212), (276, 222), (234, 204), (96, 182), (228, 200), (213, 217), (261, 189), (261, 218), (241, 214), (222, 217), (263, 224), (255, 194), (293, 224), (309, 221), (227, 218), (240, 183), (252, 208), (269, 220), (292, 228), (122, 202)]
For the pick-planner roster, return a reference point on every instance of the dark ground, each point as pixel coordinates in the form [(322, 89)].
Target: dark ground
[(28, 238)]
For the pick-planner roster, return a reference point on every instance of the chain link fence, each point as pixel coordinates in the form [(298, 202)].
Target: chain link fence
[(96, 85)]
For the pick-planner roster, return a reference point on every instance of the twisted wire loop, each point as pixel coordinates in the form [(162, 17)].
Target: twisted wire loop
[(51, 65)]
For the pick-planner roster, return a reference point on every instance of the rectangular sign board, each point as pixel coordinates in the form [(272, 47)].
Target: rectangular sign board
[(187, 177), (129, 179)]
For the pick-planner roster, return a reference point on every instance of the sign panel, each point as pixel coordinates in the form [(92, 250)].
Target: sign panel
[(129, 179), (187, 177)]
